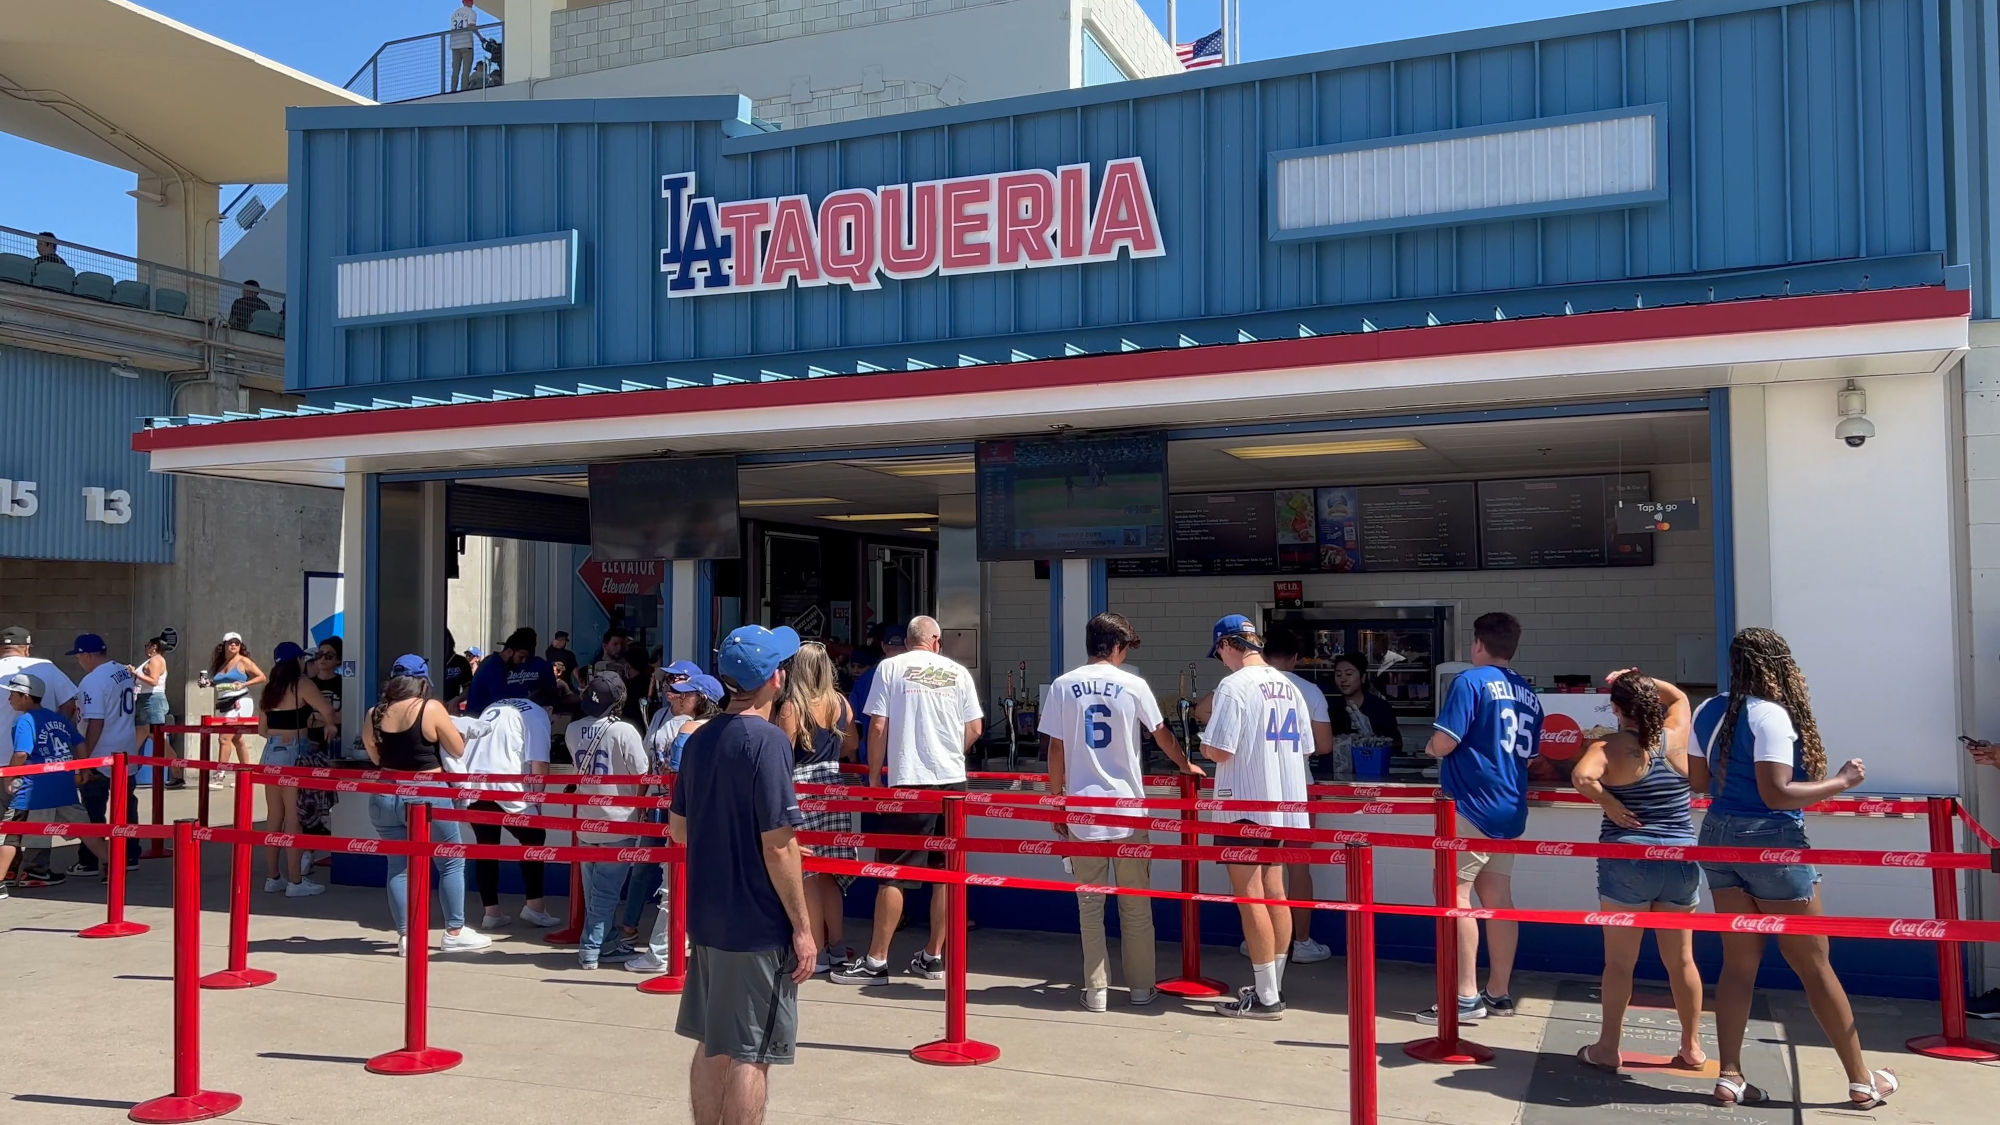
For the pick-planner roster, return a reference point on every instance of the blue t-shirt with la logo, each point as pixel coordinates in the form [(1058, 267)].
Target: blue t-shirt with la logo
[(45, 736), (1497, 718)]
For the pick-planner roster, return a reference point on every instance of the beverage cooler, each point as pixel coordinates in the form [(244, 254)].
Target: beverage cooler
[(1403, 645)]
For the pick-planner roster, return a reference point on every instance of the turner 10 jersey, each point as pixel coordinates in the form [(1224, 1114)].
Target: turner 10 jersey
[(1098, 711), (1261, 718)]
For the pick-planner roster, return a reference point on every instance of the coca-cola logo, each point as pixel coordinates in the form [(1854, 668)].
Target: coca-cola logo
[(451, 851), (593, 826), (288, 782), (1345, 837), (409, 791), (1238, 855), (940, 844), (1036, 847), (1129, 803), (1452, 844), (1050, 800), (514, 820), (281, 840), (1562, 738), (1377, 808), (54, 767), (131, 832), (1094, 889), (319, 771), (1366, 791), (1293, 806), (634, 855), (878, 870), (889, 806), (979, 798), (538, 855), (1000, 812), (599, 801), (1258, 832), (364, 847), (202, 834), (1874, 808), (1479, 913), (1780, 855), (1666, 853), (1203, 804), (347, 787), (985, 881), (908, 794), (1212, 898), (838, 790), (1929, 929), (848, 839), (1135, 851), (1599, 919), (1758, 924), (1903, 859), (1555, 849)]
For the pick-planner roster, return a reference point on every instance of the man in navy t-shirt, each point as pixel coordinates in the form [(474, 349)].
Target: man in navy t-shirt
[(735, 810), (1486, 730), (516, 673)]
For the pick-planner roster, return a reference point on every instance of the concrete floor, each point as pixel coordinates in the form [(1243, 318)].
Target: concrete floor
[(545, 1041)]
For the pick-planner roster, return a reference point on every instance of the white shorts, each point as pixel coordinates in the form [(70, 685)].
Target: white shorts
[(240, 708)]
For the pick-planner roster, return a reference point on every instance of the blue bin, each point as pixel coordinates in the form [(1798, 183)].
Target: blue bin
[(1371, 762)]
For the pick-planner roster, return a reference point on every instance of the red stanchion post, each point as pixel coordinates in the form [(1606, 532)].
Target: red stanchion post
[(201, 777), (675, 978), (158, 848), (1954, 1044), (1191, 982), (955, 1049), (239, 974), (188, 1102), (1447, 1047), (114, 924), (1361, 1060), (572, 930), (417, 1056)]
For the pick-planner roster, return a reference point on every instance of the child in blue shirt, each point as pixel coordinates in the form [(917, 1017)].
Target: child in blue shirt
[(39, 737)]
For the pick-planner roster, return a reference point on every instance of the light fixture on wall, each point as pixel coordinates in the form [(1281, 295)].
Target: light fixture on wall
[(124, 369), (789, 502), (1854, 427)]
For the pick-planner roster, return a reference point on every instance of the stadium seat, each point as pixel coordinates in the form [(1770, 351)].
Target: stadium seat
[(49, 275), (16, 267), (133, 293), (96, 286), (173, 302), (264, 322)]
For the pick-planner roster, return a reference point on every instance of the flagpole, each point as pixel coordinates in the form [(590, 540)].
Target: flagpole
[(1236, 30), (1228, 41), (1173, 31)]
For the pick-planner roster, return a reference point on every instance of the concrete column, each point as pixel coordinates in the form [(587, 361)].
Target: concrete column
[(1078, 596), (434, 549), (527, 35), (1750, 501), (357, 595), (181, 230), (679, 600), (1981, 473)]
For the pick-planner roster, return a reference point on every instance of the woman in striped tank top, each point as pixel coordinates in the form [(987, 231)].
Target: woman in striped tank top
[(1638, 774)]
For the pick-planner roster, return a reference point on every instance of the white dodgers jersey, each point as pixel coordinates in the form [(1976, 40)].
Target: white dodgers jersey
[(1262, 719), (1099, 711)]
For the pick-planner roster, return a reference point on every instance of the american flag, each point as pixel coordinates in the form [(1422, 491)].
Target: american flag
[(1205, 51)]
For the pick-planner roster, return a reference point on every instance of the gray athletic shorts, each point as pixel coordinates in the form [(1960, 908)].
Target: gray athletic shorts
[(744, 1005)]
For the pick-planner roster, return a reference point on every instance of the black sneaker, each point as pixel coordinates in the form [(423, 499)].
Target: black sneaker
[(177, 783), (926, 966), (1986, 1007), (859, 971), (1470, 1009), (80, 868), (31, 879), (1246, 1006), (1497, 1005)]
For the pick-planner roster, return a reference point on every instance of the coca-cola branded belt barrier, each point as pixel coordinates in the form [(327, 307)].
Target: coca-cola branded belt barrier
[(36, 769)]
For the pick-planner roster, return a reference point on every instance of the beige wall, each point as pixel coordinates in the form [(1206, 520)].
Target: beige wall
[(1982, 513), (55, 601)]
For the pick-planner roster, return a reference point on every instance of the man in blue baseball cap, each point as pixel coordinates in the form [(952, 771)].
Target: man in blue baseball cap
[(104, 714), (735, 810)]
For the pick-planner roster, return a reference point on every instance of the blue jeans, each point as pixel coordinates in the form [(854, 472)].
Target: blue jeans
[(386, 811), (1765, 882), (648, 889), (603, 883)]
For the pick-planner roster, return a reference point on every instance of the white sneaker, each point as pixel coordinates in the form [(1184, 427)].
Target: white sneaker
[(1094, 999), (304, 888), (496, 922), (273, 886), (216, 781), (402, 946), (646, 963), (541, 919), (464, 940), (1308, 951), (1144, 996)]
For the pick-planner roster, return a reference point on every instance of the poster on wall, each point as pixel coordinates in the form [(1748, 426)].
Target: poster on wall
[(325, 603), (1339, 530), (1297, 530)]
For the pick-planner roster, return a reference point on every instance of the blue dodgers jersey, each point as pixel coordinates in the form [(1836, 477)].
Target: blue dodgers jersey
[(1497, 718)]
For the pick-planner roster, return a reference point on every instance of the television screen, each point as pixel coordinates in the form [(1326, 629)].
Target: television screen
[(1092, 497), (681, 508)]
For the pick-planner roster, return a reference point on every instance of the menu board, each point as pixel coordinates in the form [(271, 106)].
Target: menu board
[(1222, 533), (1419, 527), (1544, 523)]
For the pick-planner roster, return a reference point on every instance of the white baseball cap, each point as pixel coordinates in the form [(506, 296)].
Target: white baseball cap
[(227, 637)]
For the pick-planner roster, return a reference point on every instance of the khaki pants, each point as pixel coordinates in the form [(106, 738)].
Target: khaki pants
[(461, 67), (1135, 918)]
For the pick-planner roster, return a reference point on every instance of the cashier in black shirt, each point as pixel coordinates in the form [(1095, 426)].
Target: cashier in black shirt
[(1366, 715)]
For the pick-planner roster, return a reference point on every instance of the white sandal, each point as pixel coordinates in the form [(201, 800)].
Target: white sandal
[(1878, 1093), (1735, 1090)]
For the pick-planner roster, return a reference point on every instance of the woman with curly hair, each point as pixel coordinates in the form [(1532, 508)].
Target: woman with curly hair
[(1757, 752), (1638, 775)]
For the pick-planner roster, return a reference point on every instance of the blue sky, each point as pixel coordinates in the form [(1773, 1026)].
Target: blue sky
[(85, 201)]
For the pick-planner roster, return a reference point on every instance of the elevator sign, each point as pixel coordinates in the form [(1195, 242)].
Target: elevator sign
[(859, 237), (611, 582)]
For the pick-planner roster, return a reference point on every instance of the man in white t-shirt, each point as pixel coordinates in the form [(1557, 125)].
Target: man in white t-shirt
[(14, 657), (1094, 717), (463, 21), (510, 737), (924, 715), (1259, 735), (106, 701)]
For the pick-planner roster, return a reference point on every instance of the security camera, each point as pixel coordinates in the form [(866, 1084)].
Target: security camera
[(1854, 427)]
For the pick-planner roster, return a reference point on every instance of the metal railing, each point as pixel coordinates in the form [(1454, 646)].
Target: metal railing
[(421, 67), (246, 211), (207, 298)]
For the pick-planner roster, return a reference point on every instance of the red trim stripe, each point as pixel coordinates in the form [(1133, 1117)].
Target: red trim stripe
[(1775, 314)]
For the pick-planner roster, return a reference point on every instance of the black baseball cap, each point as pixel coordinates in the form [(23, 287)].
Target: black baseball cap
[(15, 635), (604, 693)]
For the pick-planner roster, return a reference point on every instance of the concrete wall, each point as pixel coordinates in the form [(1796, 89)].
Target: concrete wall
[(55, 601), (1127, 34), (1981, 374), (503, 584)]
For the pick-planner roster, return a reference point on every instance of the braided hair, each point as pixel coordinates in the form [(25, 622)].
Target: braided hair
[(1637, 698), (1761, 666)]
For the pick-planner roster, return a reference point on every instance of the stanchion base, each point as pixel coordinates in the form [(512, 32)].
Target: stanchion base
[(1461, 1053), (563, 936), (423, 1060), (1954, 1050), (1199, 988), (966, 1052), (198, 1106), (238, 978), (114, 929), (663, 985)]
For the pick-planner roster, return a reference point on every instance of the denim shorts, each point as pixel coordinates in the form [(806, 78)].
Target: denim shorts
[(153, 708), (1643, 882), (1765, 882), (281, 749)]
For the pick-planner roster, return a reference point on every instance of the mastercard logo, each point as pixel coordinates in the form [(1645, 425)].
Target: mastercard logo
[(1562, 738)]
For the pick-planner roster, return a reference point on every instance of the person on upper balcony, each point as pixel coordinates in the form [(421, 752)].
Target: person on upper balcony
[(459, 38), (247, 305), (45, 249)]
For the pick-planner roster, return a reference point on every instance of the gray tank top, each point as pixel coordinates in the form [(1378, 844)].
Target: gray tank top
[(1661, 800)]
